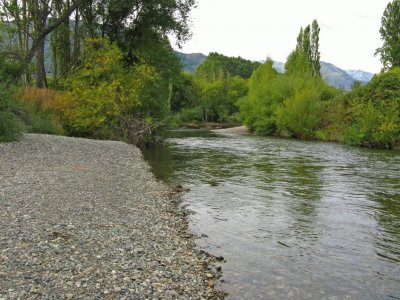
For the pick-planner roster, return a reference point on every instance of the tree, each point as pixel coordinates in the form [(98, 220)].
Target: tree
[(390, 35), (217, 65), (315, 54), (126, 22), (30, 18), (60, 42), (265, 95), (101, 94), (373, 118), (305, 59)]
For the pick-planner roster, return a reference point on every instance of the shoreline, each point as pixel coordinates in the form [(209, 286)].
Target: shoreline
[(243, 130), (86, 218)]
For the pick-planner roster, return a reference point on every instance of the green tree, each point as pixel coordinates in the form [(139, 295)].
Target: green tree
[(315, 54), (30, 20), (267, 90), (390, 35), (298, 65), (217, 66), (372, 112), (126, 22), (185, 93), (305, 59), (60, 42), (301, 113), (102, 93)]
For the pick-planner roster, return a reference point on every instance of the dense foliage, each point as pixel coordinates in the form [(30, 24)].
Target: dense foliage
[(305, 59), (372, 117), (212, 93), (101, 94), (218, 66), (288, 105), (112, 61), (390, 35), (10, 124), (299, 104), (23, 112)]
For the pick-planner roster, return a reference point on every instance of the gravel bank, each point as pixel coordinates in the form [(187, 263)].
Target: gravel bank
[(86, 219), (233, 130)]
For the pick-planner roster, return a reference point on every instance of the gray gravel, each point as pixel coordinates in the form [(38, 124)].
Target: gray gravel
[(86, 219)]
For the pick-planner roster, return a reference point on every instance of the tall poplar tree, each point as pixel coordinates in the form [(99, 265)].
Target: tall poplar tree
[(305, 59), (315, 54)]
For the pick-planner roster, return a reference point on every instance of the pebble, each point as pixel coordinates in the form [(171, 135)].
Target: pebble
[(85, 219)]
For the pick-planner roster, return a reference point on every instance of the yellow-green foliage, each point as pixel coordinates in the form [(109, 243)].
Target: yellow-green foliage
[(289, 105), (300, 115), (257, 109), (102, 90), (373, 112)]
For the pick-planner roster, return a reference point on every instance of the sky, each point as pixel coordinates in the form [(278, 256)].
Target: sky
[(257, 29)]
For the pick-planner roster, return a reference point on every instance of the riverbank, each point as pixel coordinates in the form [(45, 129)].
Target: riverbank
[(233, 130), (84, 218)]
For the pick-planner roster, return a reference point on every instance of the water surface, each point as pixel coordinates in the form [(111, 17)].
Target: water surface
[(293, 219)]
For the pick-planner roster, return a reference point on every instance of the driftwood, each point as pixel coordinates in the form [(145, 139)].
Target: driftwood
[(139, 131)]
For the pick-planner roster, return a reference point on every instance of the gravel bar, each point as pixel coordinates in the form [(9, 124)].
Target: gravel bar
[(86, 219)]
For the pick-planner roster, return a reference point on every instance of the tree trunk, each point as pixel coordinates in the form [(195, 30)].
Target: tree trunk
[(77, 40), (41, 79)]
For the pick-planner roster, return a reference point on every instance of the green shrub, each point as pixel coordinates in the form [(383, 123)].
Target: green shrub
[(373, 113), (191, 114), (101, 94), (10, 127), (301, 114)]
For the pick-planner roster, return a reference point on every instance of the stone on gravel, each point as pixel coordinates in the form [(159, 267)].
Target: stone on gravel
[(86, 219)]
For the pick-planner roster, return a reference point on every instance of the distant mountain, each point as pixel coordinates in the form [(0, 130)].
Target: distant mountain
[(336, 77), (359, 75), (333, 75), (191, 61)]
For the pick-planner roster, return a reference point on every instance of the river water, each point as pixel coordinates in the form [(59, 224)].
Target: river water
[(293, 219)]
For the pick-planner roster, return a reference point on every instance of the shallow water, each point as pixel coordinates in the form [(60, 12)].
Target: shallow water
[(293, 219)]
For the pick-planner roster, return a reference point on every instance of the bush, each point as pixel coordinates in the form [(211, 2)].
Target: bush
[(191, 114), (373, 113), (10, 127), (287, 105), (104, 99), (266, 93), (300, 116)]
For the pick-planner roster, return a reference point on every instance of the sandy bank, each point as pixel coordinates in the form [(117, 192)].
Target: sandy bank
[(233, 130)]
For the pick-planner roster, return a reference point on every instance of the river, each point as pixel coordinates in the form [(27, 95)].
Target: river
[(293, 219)]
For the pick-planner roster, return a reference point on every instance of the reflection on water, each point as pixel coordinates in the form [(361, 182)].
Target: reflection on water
[(295, 220)]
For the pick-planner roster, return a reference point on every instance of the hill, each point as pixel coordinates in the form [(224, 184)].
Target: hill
[(336, 77), (191, 61)]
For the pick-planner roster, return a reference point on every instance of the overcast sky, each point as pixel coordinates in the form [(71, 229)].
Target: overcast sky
[(255, 29)]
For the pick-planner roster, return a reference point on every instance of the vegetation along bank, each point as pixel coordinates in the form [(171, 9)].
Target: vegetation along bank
[(121, 79)]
